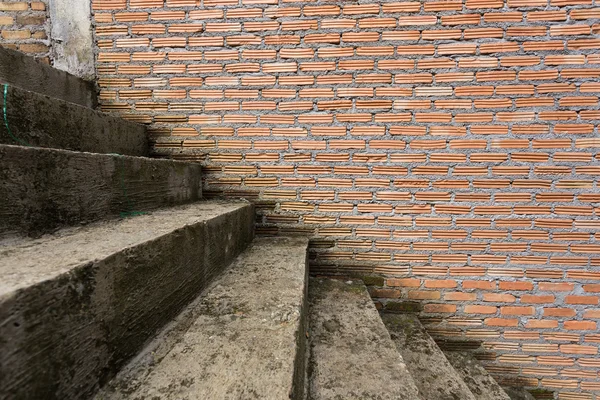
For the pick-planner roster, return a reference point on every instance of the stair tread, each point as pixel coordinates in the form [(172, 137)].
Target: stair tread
[(479, 381), (242, 338), (24, 262), (351, 353), (434, 375)]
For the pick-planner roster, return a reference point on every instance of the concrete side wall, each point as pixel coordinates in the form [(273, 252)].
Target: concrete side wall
[(71, 37)]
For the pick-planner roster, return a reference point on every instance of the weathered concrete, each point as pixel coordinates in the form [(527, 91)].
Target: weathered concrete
[(242, 339), (479, 381), (20, 70), (37, 120), (518, 394), (351, 353), (74, 307), (44, 189), (433, 374), (72, 38)]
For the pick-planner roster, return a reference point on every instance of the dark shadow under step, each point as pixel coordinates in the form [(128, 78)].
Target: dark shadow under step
[(242, 339), (351, 353)]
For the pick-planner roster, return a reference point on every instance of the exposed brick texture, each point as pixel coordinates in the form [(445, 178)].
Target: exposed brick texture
[(24, 26), (448, 146)]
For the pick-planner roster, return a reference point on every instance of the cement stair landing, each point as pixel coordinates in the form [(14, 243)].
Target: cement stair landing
[(242, 339), (75, 306)]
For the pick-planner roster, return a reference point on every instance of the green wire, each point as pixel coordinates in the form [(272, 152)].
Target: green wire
[(16, 139)]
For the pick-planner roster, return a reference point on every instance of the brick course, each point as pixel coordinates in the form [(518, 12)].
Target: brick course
[(448, 146), (24, 26)]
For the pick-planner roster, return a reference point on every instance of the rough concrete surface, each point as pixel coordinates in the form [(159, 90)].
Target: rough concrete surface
[(351, 353), (25, 72), (518, 393), (240, 340), (479, 381), (38, 120), (42, 190), (72, 37), (433, 374), (76, 306)]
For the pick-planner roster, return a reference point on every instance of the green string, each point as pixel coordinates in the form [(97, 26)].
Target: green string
[(5, 109)]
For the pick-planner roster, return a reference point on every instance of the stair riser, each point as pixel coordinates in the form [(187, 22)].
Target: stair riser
[(64, 337), (44, 189), (24, 71), (41, 121)]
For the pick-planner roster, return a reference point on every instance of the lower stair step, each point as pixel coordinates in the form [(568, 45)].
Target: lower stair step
[(515, 393), (434, 375), (75, 306), (351, 353), (479, 381), (42, 190), (242, 339)]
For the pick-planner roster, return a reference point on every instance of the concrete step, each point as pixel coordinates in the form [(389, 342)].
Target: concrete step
[(516, 393), (34, 119), (434, 375), (42, 190), (242, 339), (77, 305), (351, 353), (23, 71), (479, 381)]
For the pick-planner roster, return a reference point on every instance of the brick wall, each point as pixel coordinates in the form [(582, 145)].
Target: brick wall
[(449, 148), (24, 26)]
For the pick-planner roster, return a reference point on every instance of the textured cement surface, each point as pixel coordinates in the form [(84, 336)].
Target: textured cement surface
[(42, 190), (38, 120), (479, 381), (20, 70), (518, 394), (242, 339), (72, 38), (433, 374), (351, 353), (76, 306)]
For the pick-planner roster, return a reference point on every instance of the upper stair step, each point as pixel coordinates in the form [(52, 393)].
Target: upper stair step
[(75, 306), (479, 381), (34, 119), (26, 72), (42, 190), (434, 375), (351, 353), (242, 339)]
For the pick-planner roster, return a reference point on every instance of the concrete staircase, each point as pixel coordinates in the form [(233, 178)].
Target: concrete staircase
[(118, 282)]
